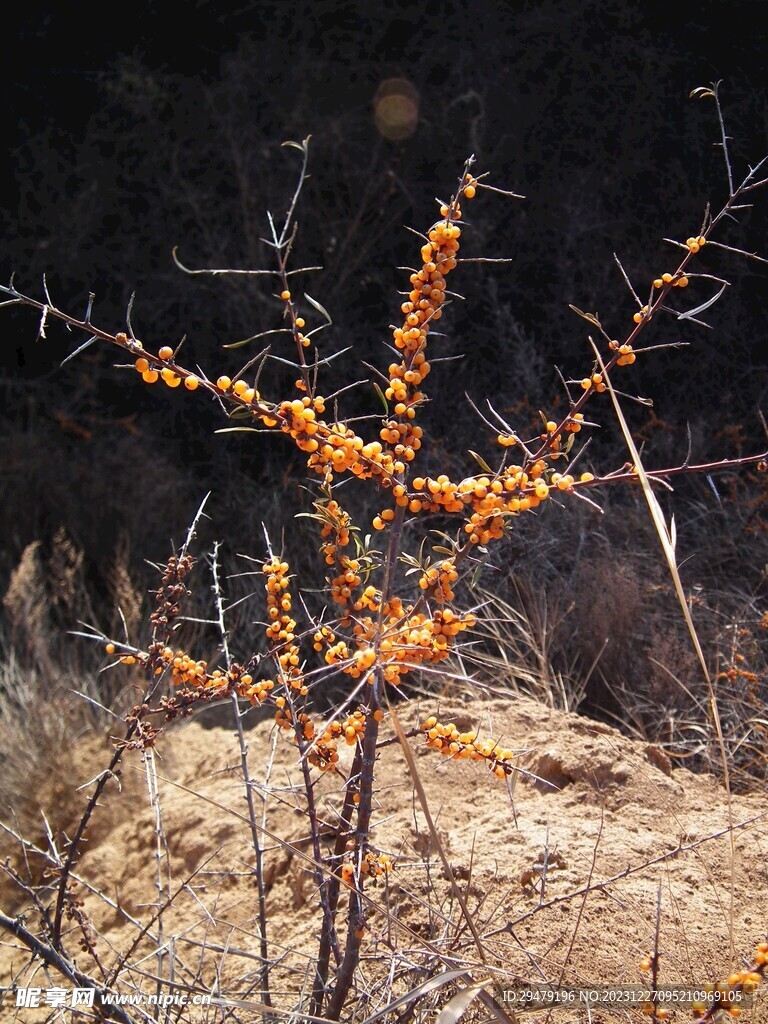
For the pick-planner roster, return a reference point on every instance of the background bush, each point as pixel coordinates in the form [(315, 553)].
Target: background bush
[(125, 141)]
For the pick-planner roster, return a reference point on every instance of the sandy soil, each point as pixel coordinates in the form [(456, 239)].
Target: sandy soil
[(562, 876)]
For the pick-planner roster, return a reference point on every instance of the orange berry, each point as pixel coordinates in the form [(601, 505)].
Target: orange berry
[(285, 295), (166, 352), (191, 382), (142, 365), (224, 383), (150, 376), (110, 648)]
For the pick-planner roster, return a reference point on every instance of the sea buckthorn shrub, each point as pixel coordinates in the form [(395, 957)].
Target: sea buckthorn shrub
[(392, 609)]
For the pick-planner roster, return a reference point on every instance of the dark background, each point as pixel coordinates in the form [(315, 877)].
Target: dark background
[(132, 129)]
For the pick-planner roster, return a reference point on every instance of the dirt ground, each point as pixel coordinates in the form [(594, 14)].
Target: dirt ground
[(562, 873)]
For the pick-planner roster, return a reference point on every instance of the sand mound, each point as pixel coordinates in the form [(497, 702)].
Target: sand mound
[(562, 873)]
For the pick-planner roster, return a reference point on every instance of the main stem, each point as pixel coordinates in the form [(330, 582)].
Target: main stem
[(356, 922)]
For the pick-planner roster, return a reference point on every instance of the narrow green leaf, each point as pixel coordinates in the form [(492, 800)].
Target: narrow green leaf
[(380, 393), (237, 430), (481, 462), (589, 317)]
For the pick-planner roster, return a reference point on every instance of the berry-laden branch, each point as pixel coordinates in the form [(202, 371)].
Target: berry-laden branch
[(726, 997), (388, 611)]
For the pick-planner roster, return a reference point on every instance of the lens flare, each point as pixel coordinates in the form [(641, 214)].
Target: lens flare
[(396, 109)]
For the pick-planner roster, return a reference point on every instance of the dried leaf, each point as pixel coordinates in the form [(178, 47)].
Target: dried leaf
[(320, 308), (589, 317)]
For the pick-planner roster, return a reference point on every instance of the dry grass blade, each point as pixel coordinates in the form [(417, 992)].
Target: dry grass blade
[(455, 1007), (430, 985), (666, 538)]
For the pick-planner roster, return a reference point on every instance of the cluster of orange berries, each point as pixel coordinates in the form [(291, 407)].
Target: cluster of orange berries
[(323, 638), (336, 525), (626, 354), (299, 420), (333, 448), (677, 281), (335, 532), (407, 638), (694, 244), (281, 627), (361, 662), (745, 981), (239, 388), (297, 321), (733, 674), (447, 739), (595, 382), (439, 579), (337, 650), (343, 584), (404, 438), (342, 450), (494, 500), (189, 671), (351, 729), (422, 307), (336, 448), (371, 864), (151, 371), (321, 754), (572, 425)]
